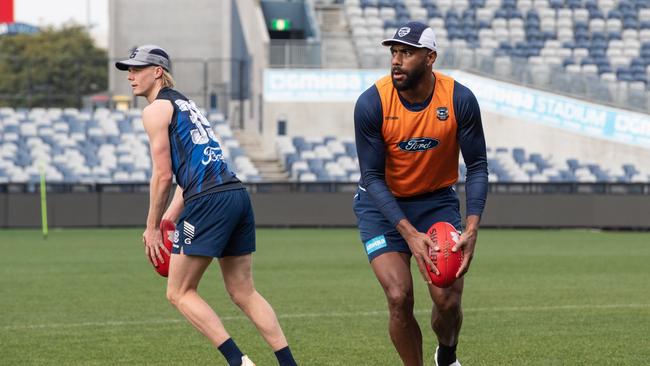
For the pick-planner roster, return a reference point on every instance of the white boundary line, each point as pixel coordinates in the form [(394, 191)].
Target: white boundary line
[(327, 315)]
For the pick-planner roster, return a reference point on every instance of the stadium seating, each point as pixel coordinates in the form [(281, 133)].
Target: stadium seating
[(332, 159), (606, 40), (109, 146), (104, 146), (319, 159)]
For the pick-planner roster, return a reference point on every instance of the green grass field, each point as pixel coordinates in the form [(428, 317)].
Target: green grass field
[(89, 297)]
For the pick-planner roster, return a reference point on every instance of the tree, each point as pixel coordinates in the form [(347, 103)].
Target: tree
[(52, 68)]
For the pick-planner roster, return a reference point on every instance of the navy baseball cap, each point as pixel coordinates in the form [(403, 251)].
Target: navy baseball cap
[(145, 56), (414, 34)]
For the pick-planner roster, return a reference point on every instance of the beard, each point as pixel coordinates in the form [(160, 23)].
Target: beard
[(411, 78)]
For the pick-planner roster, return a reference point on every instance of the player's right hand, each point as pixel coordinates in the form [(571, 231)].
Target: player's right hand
[(419, 243), (153, 244)]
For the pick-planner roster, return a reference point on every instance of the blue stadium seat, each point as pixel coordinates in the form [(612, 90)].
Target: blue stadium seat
[(402, 15), (630, 169), (595, 13), (613, 34), (501, 13), (604, 68), (615, 14), (568, 61), (476, 3), (434, 12), (574, 4), (391, 23), (519, 155), (630, 23), (573, 164), (567, 176), (624, 74)]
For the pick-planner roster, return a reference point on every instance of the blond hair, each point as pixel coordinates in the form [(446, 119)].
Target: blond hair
[(167, 79)]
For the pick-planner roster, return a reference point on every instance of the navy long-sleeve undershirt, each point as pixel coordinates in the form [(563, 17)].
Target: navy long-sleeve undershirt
[(368, 120)]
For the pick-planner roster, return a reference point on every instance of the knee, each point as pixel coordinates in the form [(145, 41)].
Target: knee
[(239, 296), (449, 307), (174, 296), (399, 301)]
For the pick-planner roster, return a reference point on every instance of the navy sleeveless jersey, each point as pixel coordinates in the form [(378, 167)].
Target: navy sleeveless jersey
[(197, 160)]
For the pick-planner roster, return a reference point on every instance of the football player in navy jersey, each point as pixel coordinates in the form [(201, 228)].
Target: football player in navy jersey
[(211, 209)]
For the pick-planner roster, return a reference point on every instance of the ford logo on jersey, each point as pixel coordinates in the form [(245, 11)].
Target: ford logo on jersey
[(417, 144)]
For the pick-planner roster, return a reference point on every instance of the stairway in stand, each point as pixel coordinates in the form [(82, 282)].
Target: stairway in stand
[(338, 50), (264, 158)]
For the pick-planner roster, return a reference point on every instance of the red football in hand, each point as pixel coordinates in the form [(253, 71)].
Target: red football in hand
[(167, 228), (446, 236)]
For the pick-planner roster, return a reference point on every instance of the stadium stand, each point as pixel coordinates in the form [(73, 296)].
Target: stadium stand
[(335, 159), (104, 146), (109, 146), (604, 41), (319, 159)]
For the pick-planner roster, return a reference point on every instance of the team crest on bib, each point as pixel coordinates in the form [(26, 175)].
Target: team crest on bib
[(442, 113), (403, 31)]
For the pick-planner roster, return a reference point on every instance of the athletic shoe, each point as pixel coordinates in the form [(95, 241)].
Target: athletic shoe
[(245, 361), (456, 363)]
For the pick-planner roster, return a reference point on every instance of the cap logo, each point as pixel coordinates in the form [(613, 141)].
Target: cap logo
[(133, 54), (403, 31)]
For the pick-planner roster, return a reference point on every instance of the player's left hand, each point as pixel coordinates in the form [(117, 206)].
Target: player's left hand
[(467, 243), (153, 244)]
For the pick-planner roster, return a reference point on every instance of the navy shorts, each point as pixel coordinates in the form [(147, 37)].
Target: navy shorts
[(379, 236), (217, 225)]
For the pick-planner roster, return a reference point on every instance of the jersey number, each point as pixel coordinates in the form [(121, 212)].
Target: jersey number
[(202, 134)]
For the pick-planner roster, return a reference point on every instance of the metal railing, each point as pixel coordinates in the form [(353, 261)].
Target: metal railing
[(340, 187), (212, 83), (207, 81), (295, 54), (552, 78)]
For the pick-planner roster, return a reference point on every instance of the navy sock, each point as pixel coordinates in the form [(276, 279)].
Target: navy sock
[(231, 352), (285, 358), (446, 354)]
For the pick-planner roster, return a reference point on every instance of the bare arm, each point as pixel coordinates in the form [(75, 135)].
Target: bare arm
[(156, 119), (176, 206)]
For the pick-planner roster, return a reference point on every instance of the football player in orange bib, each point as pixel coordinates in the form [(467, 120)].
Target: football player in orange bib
[(410, 127)]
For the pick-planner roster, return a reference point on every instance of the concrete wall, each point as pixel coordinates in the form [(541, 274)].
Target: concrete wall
[(203, 39), (288, 209), (309, 119), (256, 37), (191, 31)]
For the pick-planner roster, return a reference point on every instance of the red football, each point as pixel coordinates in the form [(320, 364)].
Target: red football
[(167, 228), (447, 262)]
